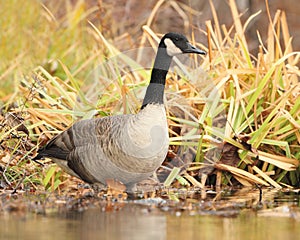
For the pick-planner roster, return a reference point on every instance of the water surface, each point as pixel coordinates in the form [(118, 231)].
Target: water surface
[(133, 220)]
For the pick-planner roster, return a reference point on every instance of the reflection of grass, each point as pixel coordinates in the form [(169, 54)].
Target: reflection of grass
[(258, 94)]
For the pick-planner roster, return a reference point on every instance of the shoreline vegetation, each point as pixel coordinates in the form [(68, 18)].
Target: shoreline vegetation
[(238, 123)]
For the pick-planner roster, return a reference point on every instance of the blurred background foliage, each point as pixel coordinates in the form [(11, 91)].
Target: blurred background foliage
[(36, 32)]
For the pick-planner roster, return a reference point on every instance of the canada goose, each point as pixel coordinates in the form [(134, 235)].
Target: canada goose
[(128, 148)]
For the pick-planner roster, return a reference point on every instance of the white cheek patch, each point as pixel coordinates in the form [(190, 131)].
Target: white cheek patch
[(172, 50)]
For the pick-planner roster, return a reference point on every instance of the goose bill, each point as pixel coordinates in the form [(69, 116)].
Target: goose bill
[(193, 49)]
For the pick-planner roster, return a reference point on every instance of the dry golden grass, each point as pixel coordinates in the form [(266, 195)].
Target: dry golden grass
[(230, 99)]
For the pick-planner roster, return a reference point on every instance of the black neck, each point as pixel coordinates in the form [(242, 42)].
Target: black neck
[(155, 90)]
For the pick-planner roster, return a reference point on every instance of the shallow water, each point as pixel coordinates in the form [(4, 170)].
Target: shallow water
[(132, 222), (276, 217)]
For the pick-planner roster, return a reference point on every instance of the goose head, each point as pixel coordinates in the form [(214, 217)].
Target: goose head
[(176, 44)]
